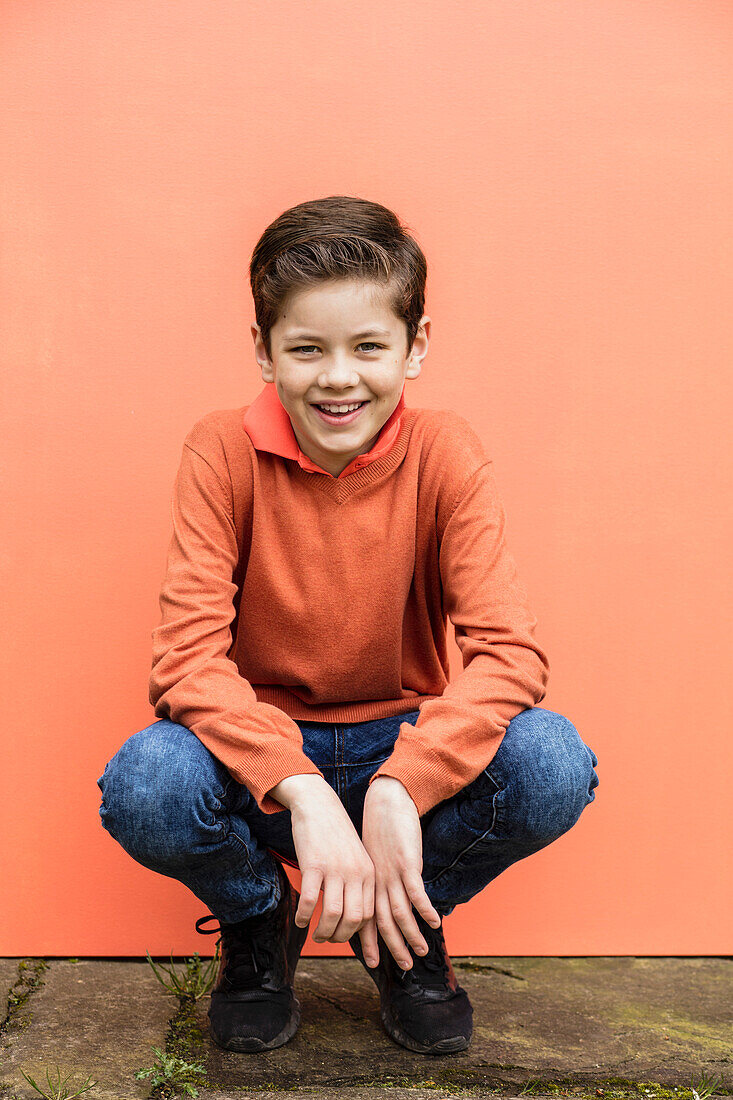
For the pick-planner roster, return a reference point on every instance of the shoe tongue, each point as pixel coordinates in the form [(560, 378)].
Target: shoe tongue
[(430, 970), (248, 963), (427, 972), (249, 954)]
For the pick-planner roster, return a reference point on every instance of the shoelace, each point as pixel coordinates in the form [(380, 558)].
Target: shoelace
[(248, 955)]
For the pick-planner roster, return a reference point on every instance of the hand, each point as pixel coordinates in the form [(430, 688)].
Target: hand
[(392, 835), (330, 854)]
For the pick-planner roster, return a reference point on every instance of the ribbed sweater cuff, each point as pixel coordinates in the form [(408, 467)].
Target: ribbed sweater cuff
[(413, 779), (260, 779), (410, 763)]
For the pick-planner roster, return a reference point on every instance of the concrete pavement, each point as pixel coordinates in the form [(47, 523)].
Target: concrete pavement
[(593, 1027)]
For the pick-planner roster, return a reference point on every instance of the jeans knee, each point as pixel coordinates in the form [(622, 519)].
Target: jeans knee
[(156, 801), (555, 777)]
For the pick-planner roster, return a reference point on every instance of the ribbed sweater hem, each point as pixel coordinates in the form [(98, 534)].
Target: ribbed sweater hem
[(364, 711)]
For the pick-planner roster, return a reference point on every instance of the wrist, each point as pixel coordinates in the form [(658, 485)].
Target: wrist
[(390, 791), (294, 790), (386, 783)]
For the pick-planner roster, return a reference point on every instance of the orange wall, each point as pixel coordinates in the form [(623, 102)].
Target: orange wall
[(567, 169)]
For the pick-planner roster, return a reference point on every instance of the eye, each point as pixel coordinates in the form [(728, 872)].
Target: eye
[(307, 348)]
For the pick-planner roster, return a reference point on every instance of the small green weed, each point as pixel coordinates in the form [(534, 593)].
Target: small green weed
[(706, 1087), (193, 982), (537, 1085), (171, 1074), (58, 1089)]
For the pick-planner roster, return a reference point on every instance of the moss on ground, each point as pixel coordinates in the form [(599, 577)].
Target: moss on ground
[(30, 977), (671, 1023), (184, 1040), (613, 1088), (184, 1037)]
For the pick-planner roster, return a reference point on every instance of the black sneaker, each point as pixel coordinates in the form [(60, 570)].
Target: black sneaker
[(253, 1004), (423, 1008)]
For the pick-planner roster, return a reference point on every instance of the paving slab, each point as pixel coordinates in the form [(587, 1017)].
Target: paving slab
[(585, 1023), (89, 1017), (583, 1020)]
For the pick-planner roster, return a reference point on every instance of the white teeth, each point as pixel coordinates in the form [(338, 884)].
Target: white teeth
[(340, 408)]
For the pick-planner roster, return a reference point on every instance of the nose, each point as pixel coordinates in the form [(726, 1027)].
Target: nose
[(338, 374)]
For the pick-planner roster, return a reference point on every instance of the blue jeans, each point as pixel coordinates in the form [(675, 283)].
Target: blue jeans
[(176, 809)]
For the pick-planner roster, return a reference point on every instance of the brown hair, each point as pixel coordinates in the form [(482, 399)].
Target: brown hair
[(339, 237)]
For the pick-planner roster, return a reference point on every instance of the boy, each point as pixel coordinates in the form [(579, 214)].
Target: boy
[(321, 538)]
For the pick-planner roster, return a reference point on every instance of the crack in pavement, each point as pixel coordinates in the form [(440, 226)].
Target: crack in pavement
[(26, 983), (335, 1003), (486, 968)]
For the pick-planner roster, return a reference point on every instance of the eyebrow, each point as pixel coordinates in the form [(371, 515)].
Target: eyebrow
[(356, 336)]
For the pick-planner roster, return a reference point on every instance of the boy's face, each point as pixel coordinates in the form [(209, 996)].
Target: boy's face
[(339, 343)]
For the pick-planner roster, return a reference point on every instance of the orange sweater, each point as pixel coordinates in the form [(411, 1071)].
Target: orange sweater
[(292, 594)]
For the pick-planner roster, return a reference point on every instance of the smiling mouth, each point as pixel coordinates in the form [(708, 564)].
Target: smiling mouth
[(338, 417)]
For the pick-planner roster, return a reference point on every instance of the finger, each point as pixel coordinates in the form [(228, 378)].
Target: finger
[(415, 888), (369, 942), (309, 889), (353, 912), (390, 932), (333, 907), (405, 918), (368, 888)]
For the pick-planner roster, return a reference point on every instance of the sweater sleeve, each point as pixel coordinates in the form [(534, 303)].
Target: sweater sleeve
[(192, 680), (504, 669)]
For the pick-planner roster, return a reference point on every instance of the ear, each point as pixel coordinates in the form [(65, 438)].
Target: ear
[(420, 346), (413, 368), (263, 362)]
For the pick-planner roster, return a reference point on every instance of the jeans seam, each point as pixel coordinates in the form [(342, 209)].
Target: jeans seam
[(231, 832), (365, 763), (245, 851), (476, 840)]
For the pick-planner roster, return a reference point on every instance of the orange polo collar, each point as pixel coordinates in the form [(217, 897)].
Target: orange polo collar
[(269, 427)]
